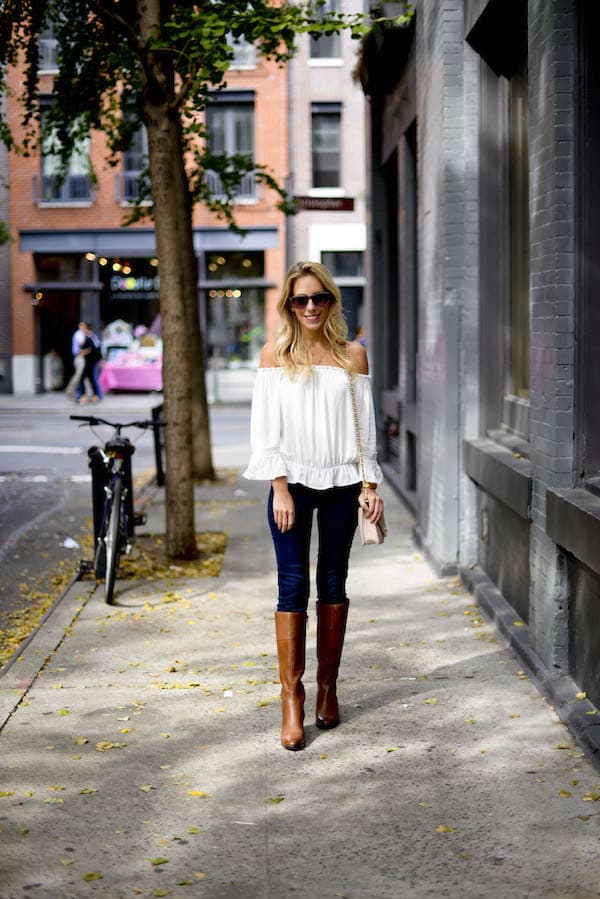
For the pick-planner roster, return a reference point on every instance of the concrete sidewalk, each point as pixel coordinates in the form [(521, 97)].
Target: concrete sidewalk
[(144, 758)]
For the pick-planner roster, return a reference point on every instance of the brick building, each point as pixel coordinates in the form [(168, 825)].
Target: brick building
[(72, 258), (327, 160), (484, 319)]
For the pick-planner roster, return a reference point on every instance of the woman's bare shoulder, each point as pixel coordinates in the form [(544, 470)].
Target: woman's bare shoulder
[(268, 358), (358, 357)]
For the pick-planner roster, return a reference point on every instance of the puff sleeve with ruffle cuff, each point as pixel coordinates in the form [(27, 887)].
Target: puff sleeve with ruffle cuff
[(266, 461), (368, 431)]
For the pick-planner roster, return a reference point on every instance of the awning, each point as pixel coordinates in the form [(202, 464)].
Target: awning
[(140, 242)]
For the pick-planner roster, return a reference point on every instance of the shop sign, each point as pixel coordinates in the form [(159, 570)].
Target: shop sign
[(129, 287), (326, 204)]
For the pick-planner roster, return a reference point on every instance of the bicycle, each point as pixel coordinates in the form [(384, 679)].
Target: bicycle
[(112, 498)]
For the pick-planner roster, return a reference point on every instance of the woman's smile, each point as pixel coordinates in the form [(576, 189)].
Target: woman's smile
[(312, 316)]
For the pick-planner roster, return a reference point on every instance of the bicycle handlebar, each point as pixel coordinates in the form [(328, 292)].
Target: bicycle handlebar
[(93, 420)]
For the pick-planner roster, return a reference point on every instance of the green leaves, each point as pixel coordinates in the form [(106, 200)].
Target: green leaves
[(107, 71)]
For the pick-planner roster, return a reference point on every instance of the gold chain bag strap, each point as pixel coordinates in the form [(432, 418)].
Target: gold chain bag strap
[(369, 532)]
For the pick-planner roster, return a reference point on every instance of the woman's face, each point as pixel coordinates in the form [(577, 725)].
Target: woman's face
[(312, 317)]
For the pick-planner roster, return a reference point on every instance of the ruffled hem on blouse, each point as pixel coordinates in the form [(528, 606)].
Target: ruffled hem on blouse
[(266, 468)]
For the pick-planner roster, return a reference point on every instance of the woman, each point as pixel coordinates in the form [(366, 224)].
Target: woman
[(304, 441)]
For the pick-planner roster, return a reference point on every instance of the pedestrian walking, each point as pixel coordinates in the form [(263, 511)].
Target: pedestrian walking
[(78, 361), (303, 439), (92, 355)]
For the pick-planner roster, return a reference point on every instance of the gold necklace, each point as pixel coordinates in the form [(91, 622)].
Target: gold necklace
[(321, 357)]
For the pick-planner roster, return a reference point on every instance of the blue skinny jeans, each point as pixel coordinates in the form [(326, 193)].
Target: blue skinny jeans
[(337, 518)]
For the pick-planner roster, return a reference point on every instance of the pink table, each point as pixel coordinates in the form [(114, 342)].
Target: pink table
[(116, 376)]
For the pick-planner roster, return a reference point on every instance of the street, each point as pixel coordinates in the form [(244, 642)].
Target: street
[(45, 498)]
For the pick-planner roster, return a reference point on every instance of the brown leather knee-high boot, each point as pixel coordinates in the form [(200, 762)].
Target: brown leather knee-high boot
[(331, 628), (290, 629)]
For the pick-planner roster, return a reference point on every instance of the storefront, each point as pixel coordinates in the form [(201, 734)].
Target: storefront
[(110, 279)]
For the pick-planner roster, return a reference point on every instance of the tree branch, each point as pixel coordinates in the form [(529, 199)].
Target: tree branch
[(181, 94), (109, 16)]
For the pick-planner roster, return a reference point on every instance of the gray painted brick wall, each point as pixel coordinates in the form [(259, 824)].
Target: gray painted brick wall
[(552, 207), (469, 341), (448, 356)]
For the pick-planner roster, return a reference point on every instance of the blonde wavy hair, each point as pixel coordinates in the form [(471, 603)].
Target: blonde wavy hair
[(290, 350)]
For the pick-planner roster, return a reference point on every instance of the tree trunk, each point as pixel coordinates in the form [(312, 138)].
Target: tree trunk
[(202, 466), (161, 122)]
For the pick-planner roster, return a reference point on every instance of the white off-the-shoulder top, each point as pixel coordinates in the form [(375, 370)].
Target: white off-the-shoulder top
[(304, 429)]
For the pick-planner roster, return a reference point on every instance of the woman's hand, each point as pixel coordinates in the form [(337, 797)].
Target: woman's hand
[(284, 511), (372, 505)]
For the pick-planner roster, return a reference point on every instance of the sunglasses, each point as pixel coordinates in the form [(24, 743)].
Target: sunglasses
[(320, 299)]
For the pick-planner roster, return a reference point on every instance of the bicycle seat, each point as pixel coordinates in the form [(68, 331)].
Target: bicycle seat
[(120, 445)]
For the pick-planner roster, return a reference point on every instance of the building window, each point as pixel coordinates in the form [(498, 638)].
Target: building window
[(326, 128), (76, 186), (230, 131), (518, 168), (135, 164), (344, 264), (234, 303), (347, 268), (504, 261), (326, 46), (48, 50), (244, 54)]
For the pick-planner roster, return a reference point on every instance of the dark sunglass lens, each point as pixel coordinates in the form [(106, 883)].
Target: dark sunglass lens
[(301, 300), (322, 298)]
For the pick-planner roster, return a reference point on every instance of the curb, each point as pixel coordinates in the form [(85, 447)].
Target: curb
[(581, 716), (19, 673)]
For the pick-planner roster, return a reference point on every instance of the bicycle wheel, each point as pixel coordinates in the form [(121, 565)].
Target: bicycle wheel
[(113, 546)]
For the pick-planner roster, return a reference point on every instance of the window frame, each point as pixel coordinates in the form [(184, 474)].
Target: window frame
[(242, 51), (76, 188), (231, 102), (318, 112), (324, 42), (504, 267), (128, 175), (48, 47)]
